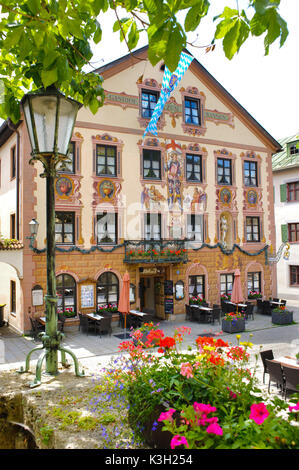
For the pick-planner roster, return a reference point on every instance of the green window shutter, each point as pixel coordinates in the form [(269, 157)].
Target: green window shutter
[(283, 193), (284, 233)]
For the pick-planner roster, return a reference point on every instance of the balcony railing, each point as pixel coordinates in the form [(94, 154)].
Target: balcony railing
[(155, 251)]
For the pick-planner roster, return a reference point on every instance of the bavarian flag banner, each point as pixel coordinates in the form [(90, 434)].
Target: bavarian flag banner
[(169, 83)]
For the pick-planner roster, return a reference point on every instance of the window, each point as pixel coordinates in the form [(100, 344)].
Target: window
[(107, 289), (151, 164), (254, 282), (250, 173), (106, 228), (293, 191), (193, 167), (13, 162), (293, 232), (197, 286), (252, 229), (13, 296), (293, 149), (294, 275), (65, 227), (69, 165), (224, 171), (106, 160), (13, 226), (66, 293), (192, 111), (226, 283), (149, 100), (152, 226), (195, 227)]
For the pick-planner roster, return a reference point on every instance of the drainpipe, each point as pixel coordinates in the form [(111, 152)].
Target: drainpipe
[(14, 128)]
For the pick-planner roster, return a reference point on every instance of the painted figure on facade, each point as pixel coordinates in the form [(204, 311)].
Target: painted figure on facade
[(223, 230), (151, 198), (64, 186), (199, 201), (174, 166)]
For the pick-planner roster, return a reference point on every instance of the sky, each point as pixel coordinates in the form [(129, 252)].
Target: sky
[(266, 86)]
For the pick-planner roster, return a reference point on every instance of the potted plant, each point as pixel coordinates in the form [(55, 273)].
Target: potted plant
[(197, 300), (68, 313), (233, 322), (281, 316)]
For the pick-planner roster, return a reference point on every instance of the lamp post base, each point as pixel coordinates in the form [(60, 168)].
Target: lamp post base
[(52, 373)]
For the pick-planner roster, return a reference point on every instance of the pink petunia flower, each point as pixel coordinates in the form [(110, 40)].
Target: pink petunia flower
[(186, 370), (167, 415), (214, 428), (203, 408), (258, 413), (178, 441), (294, 408)]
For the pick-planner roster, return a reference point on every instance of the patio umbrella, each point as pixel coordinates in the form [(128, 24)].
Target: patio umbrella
[(237, 294), (124, 298)]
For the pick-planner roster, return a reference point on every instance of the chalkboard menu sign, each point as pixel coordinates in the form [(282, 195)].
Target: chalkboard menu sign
[(168, 287), (168, 306)]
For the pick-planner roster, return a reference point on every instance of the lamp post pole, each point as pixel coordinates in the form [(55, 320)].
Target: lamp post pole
[(43, 112)]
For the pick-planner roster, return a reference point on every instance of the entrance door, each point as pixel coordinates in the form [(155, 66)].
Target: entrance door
[(151, 295)]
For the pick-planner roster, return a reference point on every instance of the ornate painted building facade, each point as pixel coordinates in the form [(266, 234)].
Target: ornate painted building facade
[(180, 211)]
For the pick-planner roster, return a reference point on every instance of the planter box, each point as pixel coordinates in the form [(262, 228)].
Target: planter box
[(279, 318), (234, 326)]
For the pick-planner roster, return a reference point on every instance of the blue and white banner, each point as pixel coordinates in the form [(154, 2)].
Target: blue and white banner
[(169, 83)]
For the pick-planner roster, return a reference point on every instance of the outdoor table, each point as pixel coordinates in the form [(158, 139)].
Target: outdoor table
[(208, 309), (287, 361), (136, 312), (42, 320), (272, 302), (94, 316)]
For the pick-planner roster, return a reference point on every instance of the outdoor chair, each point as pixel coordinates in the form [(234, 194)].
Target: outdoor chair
[(259, 303), (266, 307), (268, 354), (104, 325), (275, 299), (249, 311), (275, 375), (291, 376), (216, 314), (61, 322), (85, 324), (188, 312), (283, 302), (197, 314), (36, 328)]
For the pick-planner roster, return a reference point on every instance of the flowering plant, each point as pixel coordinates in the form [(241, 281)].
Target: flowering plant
[(206, 397), (108, 308), (280, 309), (68, 312), (232, 316), (225, 296), (254, 295), (197, 300)]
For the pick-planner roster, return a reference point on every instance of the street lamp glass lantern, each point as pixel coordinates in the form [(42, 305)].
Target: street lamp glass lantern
[(33, 224), (50, 119)]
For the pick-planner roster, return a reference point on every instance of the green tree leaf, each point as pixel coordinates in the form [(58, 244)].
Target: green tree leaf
[(49, 77)]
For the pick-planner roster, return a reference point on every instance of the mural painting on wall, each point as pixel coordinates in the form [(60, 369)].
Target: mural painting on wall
[(108, 191), (151, 198), (196, 202), (252, 197), (226, 198), (64, 186), (174, 172)]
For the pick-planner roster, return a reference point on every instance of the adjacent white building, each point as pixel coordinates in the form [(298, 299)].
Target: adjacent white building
[(285, 166)]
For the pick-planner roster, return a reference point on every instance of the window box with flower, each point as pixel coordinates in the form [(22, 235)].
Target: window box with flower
[(254, 295), (233, 322), (281, 316), (197, 300), (108, 308)]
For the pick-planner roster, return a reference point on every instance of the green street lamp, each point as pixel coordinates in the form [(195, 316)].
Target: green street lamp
[(50, 118)]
